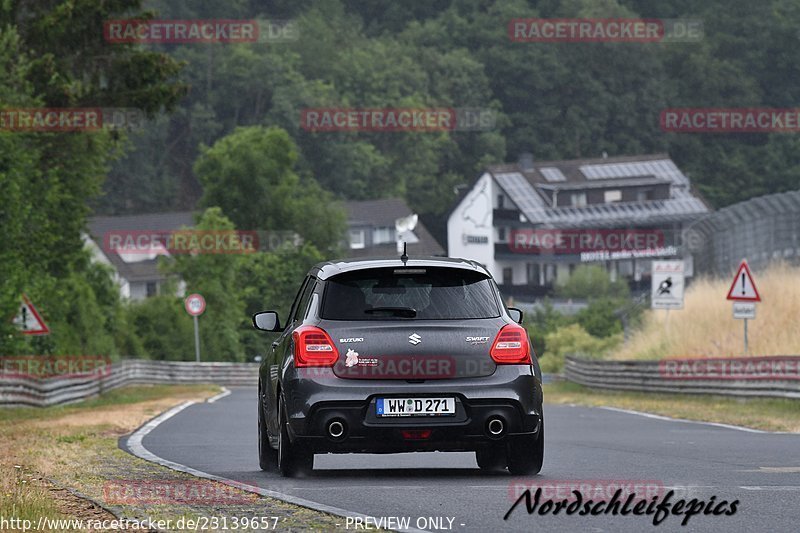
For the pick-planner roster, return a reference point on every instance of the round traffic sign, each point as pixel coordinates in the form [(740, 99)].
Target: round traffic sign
[(194, 304)]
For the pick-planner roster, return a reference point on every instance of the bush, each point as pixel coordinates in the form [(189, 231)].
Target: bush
[(599, 319), (544, 321), (592, 282), (574, 340), (163, 330)]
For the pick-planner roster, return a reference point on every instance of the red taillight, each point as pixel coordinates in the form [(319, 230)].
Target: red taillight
[(511, 346), (313, 347), (416, 434)]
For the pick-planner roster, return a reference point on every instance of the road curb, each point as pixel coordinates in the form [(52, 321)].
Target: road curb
[(133, 445)]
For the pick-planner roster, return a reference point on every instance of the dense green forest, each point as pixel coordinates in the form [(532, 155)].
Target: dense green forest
[(555, 100), (223, 137)]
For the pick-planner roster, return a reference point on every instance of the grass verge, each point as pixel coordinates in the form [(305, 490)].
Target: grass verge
[(55, 461), (770, 414), (705, 327)]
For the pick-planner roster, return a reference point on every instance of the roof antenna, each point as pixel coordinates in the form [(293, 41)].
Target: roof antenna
[(404, 257)]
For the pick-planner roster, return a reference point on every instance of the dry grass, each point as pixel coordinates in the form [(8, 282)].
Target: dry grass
[(44, 450), (778, 414), (706, 327), (59, 443)]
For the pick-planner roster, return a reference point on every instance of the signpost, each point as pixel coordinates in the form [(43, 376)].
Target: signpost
[(195, 305), (667, 287), (29, 320), (666, 291), (744, 294)]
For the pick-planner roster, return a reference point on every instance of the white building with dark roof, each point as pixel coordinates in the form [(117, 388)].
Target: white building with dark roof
[(531, 223), (372, 229), (137, 274)]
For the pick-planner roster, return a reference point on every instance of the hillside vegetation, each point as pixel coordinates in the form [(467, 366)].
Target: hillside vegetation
[(706, 327)]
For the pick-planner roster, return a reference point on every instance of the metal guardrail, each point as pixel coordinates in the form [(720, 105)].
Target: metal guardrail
[(652, 376), (644, 376), (38, 392)]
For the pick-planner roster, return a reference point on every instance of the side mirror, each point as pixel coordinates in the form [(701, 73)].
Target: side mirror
[(267, 321), (515, 314)]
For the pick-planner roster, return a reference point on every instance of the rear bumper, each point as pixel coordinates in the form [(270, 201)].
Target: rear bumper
[(512, 394)]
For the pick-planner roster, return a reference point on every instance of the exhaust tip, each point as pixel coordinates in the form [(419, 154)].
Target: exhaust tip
[(495, 427), (336, 429)]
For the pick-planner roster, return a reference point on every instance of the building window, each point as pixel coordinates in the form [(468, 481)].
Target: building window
[(357, 239), (614, 195), (578, 199), (502, 234), (532, 270), (644, 195), (151, 289), (501, 201), (625, 268), (508, 276), (382, 235)]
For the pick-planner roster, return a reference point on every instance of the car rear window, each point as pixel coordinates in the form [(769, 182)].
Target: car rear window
[(403, 293)]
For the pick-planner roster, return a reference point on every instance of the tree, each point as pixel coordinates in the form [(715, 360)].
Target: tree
[(250, 175), (269, 282), (53, 54), (213, 276)]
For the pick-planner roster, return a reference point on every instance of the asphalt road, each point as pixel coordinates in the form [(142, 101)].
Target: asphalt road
[(597, 446)]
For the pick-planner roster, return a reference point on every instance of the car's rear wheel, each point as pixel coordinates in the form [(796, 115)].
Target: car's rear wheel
[(526, 453), (491, 459), (267, 455), (292, 458)]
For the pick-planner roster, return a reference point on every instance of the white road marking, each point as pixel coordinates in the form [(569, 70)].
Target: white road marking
[(225, 392), (715, 424), (775, 469), (776, 488), (136, 447)]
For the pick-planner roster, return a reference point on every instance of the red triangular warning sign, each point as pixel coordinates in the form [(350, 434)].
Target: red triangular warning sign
[(29, 320), (743, 287)]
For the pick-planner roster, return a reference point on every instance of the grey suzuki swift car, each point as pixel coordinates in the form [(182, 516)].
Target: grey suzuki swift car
[(399, 355)]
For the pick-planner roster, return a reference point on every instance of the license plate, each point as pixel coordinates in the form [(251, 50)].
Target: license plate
[(415, 406)]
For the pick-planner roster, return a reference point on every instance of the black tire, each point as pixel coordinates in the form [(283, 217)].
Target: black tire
[(267, 455), (293, 460), (492, 459), (526, 454)]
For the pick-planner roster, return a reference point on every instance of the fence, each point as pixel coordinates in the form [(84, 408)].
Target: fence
[(17, 391), (760, 230), (645, 376), (651, 376)]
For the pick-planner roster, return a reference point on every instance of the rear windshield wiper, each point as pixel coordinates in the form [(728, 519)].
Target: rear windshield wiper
[(405, 312)]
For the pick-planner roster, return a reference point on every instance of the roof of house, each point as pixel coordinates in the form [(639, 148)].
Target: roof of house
[(147, 269), (378, 213), (383, 213), (529, 188)]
